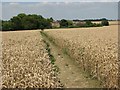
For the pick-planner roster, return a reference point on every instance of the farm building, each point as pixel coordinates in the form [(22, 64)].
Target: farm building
[(55, 24), (78, 22)]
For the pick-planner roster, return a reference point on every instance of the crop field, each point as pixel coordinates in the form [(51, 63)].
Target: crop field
[(26, 62), (94, 49)]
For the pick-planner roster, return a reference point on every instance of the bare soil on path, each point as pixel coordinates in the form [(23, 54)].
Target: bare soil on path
[(70, 74)]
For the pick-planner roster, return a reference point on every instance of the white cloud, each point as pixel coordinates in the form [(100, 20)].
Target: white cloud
[(60, 1), (45, 2), (13, 3), (59, 10), (67, 2)]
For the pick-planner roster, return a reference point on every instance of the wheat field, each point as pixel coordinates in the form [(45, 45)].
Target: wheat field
[(95, 49), (26, 62)]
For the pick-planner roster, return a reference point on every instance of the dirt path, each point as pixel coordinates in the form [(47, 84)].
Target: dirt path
[(69, 72)]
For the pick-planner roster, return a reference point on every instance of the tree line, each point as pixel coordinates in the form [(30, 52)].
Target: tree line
[(27, 22), (86, 23), (33, 21)]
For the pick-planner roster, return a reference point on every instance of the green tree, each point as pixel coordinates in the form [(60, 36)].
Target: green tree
[(70, 23), (6, 26), (44, 24), (104, 22), (17, 21), (88, 22), (50, 19), (31, 21), (47, 24), (63, 23), (36, 22), (21, 15)]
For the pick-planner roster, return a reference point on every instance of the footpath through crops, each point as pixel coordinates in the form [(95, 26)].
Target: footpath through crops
[(94, 49)]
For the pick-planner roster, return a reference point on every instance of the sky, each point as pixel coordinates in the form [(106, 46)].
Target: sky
[(59, 0), (62, 10)]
